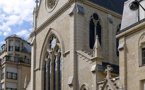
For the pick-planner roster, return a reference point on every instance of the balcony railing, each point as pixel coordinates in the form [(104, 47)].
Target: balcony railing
[(15, 60)]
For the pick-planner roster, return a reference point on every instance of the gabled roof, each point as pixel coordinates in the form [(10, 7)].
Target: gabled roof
[(113, 5)]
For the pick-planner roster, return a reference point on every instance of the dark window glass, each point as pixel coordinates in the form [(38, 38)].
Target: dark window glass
[(2, 77), (92, 39), (117, 44), (95, 16), (143, 56), (45, 76), (94, 30), (52, 71), (59, 71), (117, 40), (17, 48), (98, 30), (11, 75), (14, 75), (49, 75), (10, 48)]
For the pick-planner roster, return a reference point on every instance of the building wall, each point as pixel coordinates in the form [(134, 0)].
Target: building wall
[(131, 71), (44, 13), (131, 42), (16, 64)]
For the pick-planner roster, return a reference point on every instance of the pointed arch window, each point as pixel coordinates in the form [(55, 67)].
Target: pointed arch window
[(84, 87), (53, 65), (117, 40), (94, 30)]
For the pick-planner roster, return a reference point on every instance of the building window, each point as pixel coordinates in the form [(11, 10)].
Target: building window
[(10, 48), (11, 75), (17, 46), (10, 88), (117, 40), (143, 56), (11, 44), (94, 30), (2, 75), (53, 65), (2, 86)]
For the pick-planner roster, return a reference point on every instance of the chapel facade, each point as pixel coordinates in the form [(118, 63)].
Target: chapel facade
[(72, 43)]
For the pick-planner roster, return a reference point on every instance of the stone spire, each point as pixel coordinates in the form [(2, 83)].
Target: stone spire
[(97, 50)]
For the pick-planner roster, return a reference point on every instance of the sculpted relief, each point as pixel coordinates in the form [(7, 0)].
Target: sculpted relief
[(50, 4)]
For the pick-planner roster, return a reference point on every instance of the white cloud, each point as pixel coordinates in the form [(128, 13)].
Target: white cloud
[(23, 33), (14, 12), (5, 33)]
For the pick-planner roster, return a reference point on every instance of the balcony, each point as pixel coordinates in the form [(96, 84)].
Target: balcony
[(18, 60)]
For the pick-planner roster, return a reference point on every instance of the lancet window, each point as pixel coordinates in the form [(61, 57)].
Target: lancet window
[(53, 65), (94, 30)]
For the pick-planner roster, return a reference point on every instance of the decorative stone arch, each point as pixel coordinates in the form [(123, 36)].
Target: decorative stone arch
[(84, 87), (51, 32), (141, 44), (44, 52), (100, 18), (50, 5)]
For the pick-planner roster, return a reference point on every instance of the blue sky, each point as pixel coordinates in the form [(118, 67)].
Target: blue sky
[(16, 17)]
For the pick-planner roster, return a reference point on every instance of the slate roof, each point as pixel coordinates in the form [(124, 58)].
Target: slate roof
[(113, 5), (14, 36)]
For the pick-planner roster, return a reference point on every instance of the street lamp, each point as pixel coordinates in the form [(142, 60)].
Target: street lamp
[(135, 5)]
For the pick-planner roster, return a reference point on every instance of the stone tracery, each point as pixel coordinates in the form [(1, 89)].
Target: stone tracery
[(53, 65)]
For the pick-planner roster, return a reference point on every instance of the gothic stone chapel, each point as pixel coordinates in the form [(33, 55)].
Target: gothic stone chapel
[(72, 43)]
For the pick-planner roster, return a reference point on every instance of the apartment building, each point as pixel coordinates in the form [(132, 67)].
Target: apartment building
[(15, 63)]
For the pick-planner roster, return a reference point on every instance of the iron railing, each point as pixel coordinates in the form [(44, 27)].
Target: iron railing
[(15, 60)]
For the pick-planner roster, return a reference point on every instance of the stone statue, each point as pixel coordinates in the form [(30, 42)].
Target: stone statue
[(108, 70)]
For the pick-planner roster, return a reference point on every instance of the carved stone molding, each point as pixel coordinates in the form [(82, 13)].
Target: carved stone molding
[(51, 4)]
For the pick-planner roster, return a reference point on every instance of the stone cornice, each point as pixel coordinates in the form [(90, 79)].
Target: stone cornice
[(131, 29)]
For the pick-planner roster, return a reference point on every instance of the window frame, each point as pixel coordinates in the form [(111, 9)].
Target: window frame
[(11, 75), (143, 56), (95, 29), (52, 65)]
